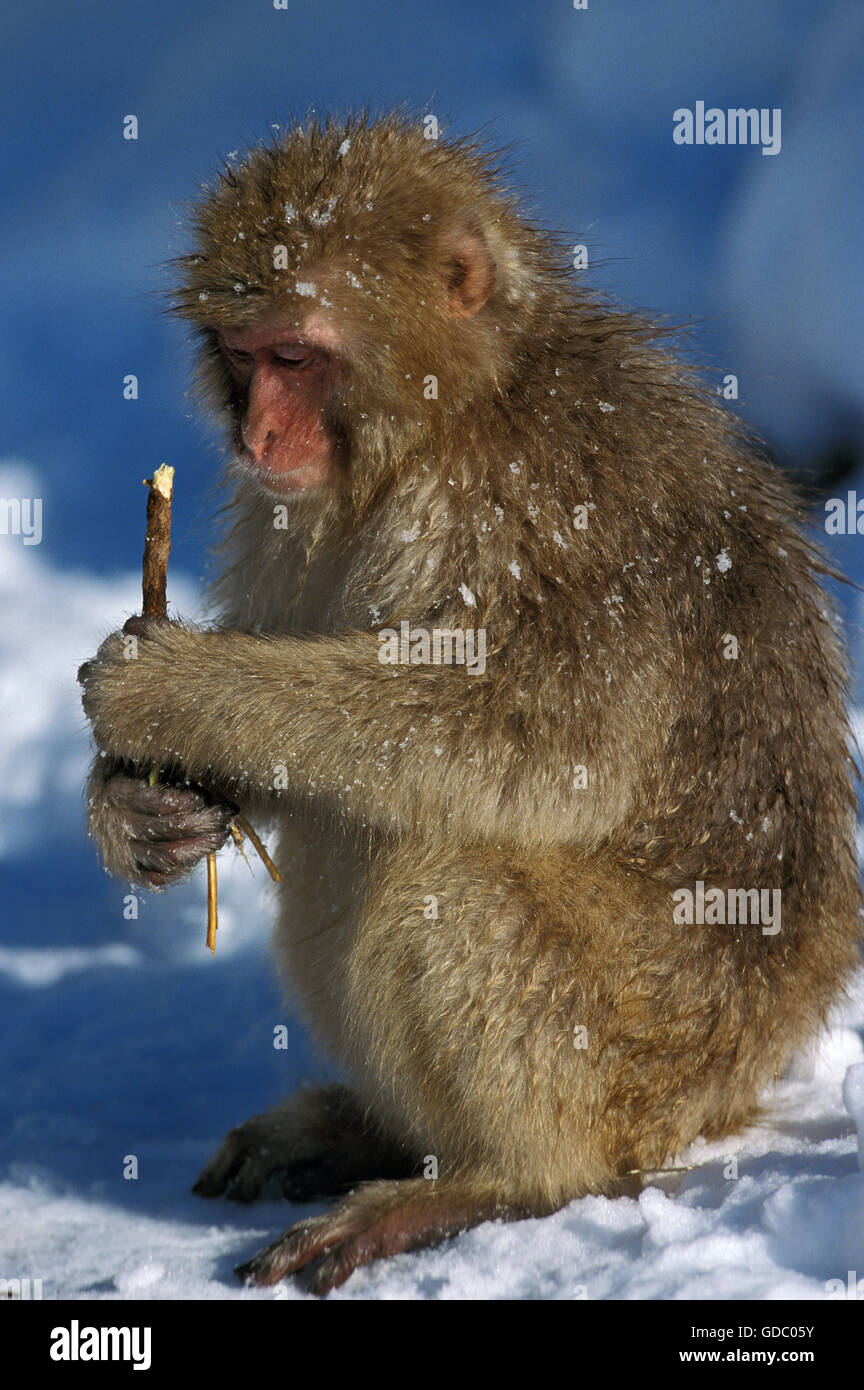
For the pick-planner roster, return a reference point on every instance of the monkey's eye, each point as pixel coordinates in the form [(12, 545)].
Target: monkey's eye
[(235, 356), (294, 354)]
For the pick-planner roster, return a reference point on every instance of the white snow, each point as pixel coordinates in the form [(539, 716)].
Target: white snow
[(790, 1221), (126, 1038)]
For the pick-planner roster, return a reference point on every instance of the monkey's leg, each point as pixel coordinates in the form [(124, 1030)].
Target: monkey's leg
[(463, 1027), (317, 1144), (543, 1029)]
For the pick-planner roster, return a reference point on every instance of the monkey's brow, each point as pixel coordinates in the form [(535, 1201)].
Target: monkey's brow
[(286, 338)]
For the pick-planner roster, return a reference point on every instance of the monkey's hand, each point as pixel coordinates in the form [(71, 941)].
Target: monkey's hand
[(147, 834), (122, 688), (152, 835)]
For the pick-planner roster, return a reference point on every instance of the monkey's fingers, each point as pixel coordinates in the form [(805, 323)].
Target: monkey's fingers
[(131, 793), (165, 861), (204, 826)]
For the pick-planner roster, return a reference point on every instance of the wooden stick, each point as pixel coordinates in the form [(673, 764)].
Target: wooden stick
[(237, 837), (242, 823), (154, 574), (157, 548), (157, 543), (212, 915), (154, 578)]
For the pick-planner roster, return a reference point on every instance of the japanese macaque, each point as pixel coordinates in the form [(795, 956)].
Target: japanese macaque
[(433, 429)]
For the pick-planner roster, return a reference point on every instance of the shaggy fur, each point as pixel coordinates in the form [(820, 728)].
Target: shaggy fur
[(606, 651)]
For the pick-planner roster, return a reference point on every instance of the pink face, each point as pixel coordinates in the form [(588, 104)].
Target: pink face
[(286, 377)]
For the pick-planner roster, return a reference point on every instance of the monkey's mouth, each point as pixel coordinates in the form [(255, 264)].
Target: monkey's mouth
[(306, 475)]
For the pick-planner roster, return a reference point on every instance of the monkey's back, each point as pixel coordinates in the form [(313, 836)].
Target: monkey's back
[(752, 787)]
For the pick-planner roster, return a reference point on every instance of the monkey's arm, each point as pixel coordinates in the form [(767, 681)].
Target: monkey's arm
[(399, 747)]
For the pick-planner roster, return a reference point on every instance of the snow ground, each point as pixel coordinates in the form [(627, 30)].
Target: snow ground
[(124, 1038), (792, 1220)]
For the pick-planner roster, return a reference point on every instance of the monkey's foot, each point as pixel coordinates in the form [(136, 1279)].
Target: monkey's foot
[(384, 1218), (246, 1162), (315, 1145)]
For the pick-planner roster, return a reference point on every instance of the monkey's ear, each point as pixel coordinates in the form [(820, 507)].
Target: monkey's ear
[(471, 274)]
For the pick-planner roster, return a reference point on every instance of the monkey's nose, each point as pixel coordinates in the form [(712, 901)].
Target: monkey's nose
[(258, 448)]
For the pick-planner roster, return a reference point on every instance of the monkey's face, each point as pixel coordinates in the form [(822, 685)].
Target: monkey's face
[(282, 384), (303, 382)]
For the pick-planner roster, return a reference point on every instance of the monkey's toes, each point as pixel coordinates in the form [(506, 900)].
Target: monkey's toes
[(241, 1177), (374, 1221), (240, 1182), (329, 1239), (241, 1165)]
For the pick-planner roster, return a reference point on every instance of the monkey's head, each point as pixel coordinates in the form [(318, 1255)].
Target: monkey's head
[(354, 287)]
